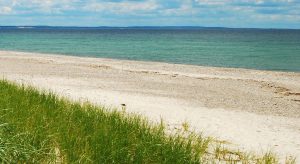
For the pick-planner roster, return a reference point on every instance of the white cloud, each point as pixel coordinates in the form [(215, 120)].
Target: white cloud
[(5, 10), (38, 6), (122, 7), (186, 8), (212, 2)]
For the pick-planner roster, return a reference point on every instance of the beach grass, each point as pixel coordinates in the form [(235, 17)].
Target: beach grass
[(40, 127)]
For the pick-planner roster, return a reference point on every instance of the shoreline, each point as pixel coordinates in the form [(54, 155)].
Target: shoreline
[(149, 61), (252, 109)]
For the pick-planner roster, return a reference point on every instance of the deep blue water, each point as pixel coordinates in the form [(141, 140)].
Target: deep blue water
[(266, 49)]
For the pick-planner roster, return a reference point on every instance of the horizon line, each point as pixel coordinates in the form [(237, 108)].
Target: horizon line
[(171, 26)]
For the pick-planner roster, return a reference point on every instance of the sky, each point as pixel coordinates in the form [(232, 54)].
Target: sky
[(209, 13)]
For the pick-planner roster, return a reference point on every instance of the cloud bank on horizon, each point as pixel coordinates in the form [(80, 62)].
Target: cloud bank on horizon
[(225, 13)]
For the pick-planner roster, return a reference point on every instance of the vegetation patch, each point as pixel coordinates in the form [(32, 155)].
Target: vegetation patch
[(40, 127)]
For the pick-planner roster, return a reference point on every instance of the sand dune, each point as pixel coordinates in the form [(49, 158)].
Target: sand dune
[(253, 110)]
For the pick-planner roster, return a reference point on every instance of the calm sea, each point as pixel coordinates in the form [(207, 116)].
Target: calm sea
[(266, 49)]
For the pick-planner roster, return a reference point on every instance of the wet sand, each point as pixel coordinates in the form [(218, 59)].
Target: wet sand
[(253, 110)]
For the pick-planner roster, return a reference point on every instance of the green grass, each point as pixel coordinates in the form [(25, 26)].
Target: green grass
[(39, 127)]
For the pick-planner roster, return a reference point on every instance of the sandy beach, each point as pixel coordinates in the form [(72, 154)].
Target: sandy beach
[(252, 110)]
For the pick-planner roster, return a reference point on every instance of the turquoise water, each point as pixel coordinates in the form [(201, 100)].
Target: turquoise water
[(243, 48)]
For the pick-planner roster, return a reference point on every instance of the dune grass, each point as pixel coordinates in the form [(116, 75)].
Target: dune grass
[(39, 127)]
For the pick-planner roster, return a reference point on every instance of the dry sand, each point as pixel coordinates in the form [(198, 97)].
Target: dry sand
[(253, 110)]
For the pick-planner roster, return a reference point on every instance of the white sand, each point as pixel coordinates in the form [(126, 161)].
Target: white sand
[(254, 110)]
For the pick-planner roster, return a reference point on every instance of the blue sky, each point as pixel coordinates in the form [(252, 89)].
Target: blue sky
[(224, 13)]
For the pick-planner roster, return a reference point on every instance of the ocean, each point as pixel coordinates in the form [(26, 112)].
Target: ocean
[(262, 49)]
